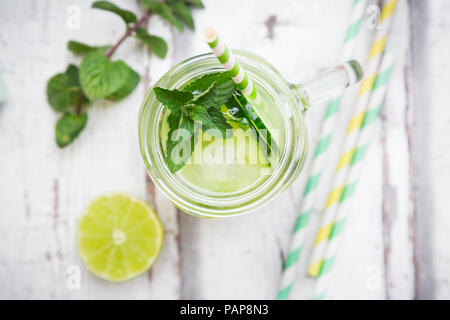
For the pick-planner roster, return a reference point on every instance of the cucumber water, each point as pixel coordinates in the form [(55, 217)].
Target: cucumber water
[(240, 161)]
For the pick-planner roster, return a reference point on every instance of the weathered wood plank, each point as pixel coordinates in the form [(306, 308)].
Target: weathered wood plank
[(48, 187), (430, 141), (165, 276), (398, 209), (29, 207)]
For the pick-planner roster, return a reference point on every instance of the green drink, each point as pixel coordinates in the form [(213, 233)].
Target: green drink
[(237, 154), (241, 159)]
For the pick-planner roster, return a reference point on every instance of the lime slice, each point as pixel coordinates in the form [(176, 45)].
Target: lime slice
[(119, 237)]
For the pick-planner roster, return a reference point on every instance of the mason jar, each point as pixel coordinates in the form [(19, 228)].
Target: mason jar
[(283, 109)]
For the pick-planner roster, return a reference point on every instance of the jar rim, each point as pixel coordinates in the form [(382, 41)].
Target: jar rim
[(189, 200)]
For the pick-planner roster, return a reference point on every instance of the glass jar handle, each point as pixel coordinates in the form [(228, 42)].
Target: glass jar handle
[(328, 84)]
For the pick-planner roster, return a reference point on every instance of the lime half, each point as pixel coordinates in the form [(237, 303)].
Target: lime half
[(119, 237)]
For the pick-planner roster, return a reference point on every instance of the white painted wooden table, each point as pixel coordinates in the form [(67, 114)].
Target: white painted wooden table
[(396, 243)]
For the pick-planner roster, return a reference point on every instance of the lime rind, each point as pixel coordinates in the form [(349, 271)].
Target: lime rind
[(140, 255)]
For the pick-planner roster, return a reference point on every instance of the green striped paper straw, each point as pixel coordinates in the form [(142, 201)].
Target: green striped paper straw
[(363, 142), (229, 62), (327, 127)]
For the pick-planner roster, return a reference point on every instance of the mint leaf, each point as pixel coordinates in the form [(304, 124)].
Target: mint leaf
[(199, 95), (147, 4), (72, 75), (173, 120), (201, 84), (64, 90), (195, 3), (68, 127), (58, 94), (199, 114), (82, 48), (219, 123), (100, 77), (182, 11), (180, 144), (128, 87), (187, 124), (219, 94), (76, 94), (127, 16), (175, 100), (164, 11), (156, 44)]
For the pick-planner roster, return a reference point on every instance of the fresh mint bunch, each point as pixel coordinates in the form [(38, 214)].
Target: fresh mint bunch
[(198, 106), (195, 107), (98, 77)]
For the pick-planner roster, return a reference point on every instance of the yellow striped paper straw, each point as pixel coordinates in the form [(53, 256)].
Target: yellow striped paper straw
[(312, 185), (338, 186), (229, 62), (344, 207)]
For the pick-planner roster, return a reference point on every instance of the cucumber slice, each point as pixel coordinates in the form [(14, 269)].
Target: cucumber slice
[(241, 110)]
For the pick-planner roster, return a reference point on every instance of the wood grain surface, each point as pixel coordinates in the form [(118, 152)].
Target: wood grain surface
[(396, 242)]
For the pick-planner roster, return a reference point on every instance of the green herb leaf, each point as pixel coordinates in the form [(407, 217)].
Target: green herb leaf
[(200, 85), (99, 77), (187, 124), (69, 127), (72, 75), (220, 93), (180, 144), (183, 12), (199, 114), (173, 120), (82, 48), (58, 94), (147, 4), (64, 90), (128, 87), (127, 16), (76, 94), (164, 11), (156, 44), (195, 3), (175, 100), (219, 123)]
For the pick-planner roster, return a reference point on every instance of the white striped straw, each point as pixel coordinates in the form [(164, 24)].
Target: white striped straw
[(350, 140), (344, 206)]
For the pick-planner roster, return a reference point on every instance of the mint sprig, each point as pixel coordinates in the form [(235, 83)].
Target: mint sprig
[(200, 101), (197, 103), (98, 77)]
